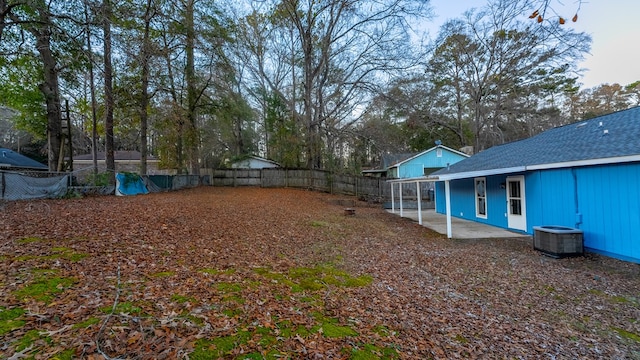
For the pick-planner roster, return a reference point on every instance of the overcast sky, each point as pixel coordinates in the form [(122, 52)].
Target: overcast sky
[(614, 26)]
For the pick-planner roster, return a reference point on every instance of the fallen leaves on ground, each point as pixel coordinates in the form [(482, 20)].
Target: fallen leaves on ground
[(251, 273)]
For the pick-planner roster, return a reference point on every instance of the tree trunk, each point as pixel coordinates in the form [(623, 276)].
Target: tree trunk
[(108, 93), (49, 87), (51, 92), (94, 105), (144, 96), (193, 139)]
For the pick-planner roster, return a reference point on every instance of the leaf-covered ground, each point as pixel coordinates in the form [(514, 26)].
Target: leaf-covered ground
[(250, 273)]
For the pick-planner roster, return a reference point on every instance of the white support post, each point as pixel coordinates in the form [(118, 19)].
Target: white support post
[(447, 195), (419, 198), (393, 200), (400, 191)]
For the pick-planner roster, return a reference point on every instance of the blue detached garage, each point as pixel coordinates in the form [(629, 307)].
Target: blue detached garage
[(582, 176), (425, 163)]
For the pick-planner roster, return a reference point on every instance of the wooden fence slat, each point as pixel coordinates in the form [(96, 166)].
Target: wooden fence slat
[(363, 187)]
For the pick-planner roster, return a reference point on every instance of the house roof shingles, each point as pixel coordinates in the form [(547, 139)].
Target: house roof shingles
[(389, 160), (120, 155), (604, 137), (12, 159)]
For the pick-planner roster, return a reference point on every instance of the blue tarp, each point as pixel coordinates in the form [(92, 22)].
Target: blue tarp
[(130, 184), (134, 184)]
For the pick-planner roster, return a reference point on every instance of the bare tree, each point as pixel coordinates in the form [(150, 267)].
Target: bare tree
[(334, 56), (108, 91), (495, 63)]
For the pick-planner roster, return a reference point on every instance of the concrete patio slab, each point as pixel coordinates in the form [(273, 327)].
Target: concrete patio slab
[(460, 228)]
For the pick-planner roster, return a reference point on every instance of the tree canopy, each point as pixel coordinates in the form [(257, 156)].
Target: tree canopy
[(316, 84)]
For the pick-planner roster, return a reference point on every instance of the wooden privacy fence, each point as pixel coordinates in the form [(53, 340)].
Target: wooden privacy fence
[(366, 188), (376, 190)]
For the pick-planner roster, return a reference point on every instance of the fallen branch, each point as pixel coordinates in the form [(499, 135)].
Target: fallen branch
[(54, 332), (21, 354), (106, 320)]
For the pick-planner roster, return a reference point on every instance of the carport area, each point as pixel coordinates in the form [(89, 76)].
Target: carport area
[(461, 229), (444, 224)]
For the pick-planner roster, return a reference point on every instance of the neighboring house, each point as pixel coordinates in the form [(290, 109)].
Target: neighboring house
[(414, 166), (585, 175), (13, 161), (254, 162), (125, 161), (388, 160), (424, 163)]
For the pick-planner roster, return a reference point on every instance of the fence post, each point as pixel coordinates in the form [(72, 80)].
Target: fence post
[(356, 187)]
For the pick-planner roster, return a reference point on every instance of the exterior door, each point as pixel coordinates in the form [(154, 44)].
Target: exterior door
[(516, 206)]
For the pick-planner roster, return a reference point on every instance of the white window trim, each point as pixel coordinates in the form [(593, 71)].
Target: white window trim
[(475, 198)]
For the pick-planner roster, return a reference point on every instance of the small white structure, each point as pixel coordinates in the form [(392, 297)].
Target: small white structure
[(254, 162)]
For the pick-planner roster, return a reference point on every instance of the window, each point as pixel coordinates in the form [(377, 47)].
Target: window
[(515, 198), (438, 152), (481, 197)]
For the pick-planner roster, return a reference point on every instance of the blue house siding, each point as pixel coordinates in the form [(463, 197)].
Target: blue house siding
[(603, 201), (609, 200), (410, 169), (429, 159), (463, 200), (584, 175), (550, 198)]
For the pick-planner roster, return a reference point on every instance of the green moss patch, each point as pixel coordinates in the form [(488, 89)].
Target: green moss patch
[(461, 339), (57, 253), (319, 223), (382, 330), (44, 289), (336, 331), (29, 338), (181, 299), (67, 254), (9, 320), (227, 287), (301, 279), (30, 239), (163, 274), (206, 349), (360, 281), (330, 327), (625, 300), (627, 334), (123, 308), (65, 355), (286, 329), (270, 355), (372, 352), (25, 257), (85, 324)]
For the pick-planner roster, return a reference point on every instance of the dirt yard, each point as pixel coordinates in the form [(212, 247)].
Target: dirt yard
[(250, 273)]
